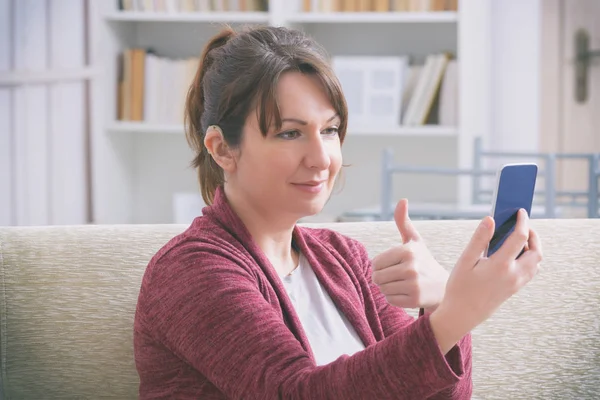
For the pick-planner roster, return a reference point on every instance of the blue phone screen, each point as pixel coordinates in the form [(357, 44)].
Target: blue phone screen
[(516, 186)]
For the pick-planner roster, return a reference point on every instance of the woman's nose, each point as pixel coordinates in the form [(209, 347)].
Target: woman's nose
[(317, 154)]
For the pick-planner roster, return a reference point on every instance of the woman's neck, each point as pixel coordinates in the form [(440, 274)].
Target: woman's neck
[(271, 234)]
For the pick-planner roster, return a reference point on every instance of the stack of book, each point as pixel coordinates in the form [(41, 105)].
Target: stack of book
[(153, 89), (192, 5), (430, 94), (389, 91), (379, 5)]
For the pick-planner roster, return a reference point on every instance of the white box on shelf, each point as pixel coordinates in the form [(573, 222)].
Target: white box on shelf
[(373, 88), (186, 207)]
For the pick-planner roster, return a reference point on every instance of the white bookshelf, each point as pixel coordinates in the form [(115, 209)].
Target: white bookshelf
[(43, 122), (137, 167)]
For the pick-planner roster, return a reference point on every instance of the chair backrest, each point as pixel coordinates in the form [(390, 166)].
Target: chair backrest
[(483, 172), (546, 191)]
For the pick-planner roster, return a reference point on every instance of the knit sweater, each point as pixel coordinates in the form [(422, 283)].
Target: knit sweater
[(213, 321)]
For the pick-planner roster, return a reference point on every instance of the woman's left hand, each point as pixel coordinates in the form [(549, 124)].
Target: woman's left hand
[(408, 275)]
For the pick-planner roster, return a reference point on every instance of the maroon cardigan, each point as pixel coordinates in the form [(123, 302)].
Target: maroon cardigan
[(213, 321)]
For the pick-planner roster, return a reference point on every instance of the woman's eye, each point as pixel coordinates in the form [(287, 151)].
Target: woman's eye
[(289, 135), (331, 131)]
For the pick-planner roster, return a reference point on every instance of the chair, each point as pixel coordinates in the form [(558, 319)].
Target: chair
[(553, 199), (552, 205)]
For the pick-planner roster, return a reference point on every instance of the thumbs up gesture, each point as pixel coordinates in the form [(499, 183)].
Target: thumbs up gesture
[(408, 275)]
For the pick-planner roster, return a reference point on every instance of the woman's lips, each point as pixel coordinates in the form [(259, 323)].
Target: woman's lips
[(310, 186)]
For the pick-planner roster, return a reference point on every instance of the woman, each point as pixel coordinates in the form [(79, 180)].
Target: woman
[(246, 304)]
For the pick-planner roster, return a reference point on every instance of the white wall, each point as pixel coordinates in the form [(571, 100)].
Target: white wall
[(516, 27), (43, 169)]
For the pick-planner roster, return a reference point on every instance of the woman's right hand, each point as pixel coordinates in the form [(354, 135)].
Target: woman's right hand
[(478, 285)]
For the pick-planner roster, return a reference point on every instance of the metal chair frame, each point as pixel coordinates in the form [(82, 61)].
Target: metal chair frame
[(551, 196)]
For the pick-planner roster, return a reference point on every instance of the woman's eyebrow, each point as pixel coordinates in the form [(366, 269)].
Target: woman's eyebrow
[(302, 122)]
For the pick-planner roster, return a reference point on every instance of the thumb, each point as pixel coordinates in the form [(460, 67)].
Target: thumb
[(478, 243), (405, 226)]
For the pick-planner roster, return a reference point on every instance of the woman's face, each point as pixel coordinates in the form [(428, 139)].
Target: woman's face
[(292, 170)]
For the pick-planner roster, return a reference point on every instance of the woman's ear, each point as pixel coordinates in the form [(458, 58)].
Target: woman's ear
[(214, 141)]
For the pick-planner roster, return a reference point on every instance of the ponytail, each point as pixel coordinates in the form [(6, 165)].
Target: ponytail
[(210, 175)]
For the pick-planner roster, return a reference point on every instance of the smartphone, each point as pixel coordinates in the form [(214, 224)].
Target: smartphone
[(515, 186)]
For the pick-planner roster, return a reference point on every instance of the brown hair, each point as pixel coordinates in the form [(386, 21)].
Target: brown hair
[(238, 73)]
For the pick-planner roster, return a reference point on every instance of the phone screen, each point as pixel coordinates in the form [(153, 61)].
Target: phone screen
[(516, 185)]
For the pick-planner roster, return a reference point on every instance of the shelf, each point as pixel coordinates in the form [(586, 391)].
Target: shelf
[(206, 17), (141, 127), (425, 130), (170, 129), (375, 17), (16, 78), (310, 17)]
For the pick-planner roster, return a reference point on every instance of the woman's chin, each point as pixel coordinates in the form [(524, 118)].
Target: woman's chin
[(311, 210), (307, 207)]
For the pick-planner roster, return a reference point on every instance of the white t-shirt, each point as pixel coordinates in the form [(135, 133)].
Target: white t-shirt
[(329, 333)]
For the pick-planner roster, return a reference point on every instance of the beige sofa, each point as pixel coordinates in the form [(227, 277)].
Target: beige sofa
[(68, 296)]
